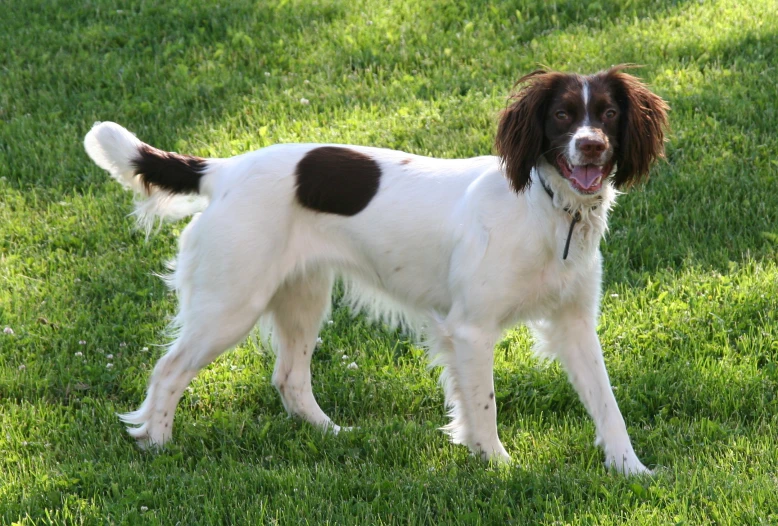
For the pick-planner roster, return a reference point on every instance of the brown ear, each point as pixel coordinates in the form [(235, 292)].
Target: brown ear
[(519, 140), (642, 127)]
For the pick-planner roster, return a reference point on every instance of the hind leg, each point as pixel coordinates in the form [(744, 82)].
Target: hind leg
[(203, 338), (220, 299), (298, 309)]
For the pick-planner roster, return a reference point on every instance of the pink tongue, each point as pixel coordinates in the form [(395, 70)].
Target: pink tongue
[(586, 175)]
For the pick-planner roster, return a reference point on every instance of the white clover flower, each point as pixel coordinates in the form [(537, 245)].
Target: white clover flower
[(352, 365), (304, 101), (81, 342), (344, 357), (8, 330), (109, 366), (79, 353), (22, 367), (109, 356)]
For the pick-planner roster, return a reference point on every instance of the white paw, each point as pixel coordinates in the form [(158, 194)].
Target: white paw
[(145, 439), (146, 434), (332, 427), (495, 453), (627, 464)]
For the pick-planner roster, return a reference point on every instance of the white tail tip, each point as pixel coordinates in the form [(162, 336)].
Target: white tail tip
[(113, 148)]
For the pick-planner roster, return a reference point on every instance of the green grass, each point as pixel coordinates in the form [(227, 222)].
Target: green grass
[(688, 327)]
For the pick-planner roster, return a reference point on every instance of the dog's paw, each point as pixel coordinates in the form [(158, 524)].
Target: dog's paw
[(332, 427), (148, 437), (142, 438), (495, 453), (627, 464)]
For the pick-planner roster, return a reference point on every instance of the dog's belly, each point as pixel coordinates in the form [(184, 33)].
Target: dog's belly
[(415, 284)]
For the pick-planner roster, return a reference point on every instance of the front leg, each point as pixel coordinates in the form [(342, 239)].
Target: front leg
[(475, 410), (573, 340)]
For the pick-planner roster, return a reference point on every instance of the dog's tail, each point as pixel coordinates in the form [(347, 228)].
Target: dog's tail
[(172, 186)]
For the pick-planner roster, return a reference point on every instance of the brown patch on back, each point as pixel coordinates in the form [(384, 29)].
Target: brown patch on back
[(406, 160), (336, 180)]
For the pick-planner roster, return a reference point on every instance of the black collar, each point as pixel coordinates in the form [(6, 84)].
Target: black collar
[(575, 217)]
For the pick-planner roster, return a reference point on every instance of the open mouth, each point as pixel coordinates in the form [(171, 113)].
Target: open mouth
[(585, 178)]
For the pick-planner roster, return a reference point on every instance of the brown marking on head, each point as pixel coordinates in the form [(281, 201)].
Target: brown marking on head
[(178, 174), (642, 126), (620, 121), (520, 134), (336, 180)]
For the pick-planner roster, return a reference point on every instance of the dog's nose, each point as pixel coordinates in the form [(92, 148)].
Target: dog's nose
[(590, 146)]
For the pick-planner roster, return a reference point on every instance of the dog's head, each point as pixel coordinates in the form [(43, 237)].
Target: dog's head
[(584, 127)]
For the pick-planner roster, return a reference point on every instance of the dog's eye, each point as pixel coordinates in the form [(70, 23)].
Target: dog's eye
[(561, 115), (610, 113)]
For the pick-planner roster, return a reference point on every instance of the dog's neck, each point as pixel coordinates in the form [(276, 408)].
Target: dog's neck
[(587, 214)]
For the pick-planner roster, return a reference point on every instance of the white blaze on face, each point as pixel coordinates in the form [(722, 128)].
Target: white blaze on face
[(585, 131), (584, 173)]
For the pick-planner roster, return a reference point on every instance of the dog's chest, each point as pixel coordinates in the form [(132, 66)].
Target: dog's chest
[(541, 281), (541, 288)]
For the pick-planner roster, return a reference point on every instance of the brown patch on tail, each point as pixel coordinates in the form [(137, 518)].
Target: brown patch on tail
[(178, 174)]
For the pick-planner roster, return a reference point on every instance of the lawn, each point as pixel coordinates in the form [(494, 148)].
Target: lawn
[(688, 327)]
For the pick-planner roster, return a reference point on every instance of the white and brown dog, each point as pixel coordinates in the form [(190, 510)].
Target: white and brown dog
[(460, 249)]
